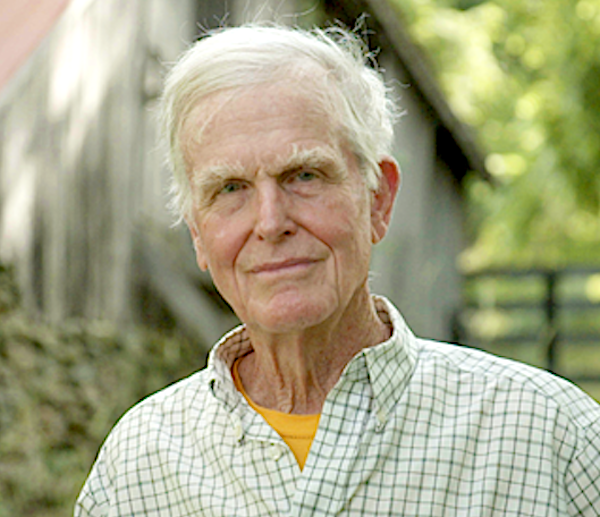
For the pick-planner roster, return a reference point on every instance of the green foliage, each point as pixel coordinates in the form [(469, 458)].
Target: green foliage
[(61, 390), (525, 74)]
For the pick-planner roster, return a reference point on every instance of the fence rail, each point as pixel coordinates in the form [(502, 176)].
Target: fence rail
[(555, 312)]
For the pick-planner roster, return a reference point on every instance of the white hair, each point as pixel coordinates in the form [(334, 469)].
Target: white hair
[(355, 95)]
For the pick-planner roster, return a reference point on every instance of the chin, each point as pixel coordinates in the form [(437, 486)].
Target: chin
[(292, 316)]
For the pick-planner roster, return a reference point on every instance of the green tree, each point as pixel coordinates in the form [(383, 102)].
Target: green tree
[(525, 74)]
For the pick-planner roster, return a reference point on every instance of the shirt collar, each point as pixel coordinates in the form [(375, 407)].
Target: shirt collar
[(232, 345), (388, 365)]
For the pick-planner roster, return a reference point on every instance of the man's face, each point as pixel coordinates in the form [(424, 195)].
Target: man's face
[(281, 216)]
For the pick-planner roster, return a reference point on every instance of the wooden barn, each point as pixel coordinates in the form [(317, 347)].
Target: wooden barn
[(83, 183)]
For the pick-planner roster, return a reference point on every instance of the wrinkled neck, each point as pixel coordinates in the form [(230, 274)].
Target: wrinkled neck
[(293, 373)]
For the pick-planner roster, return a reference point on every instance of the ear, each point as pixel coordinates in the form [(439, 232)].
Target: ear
[(382, 201), (197, 241)]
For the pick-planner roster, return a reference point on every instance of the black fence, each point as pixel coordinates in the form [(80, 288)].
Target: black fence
[(549, 318)]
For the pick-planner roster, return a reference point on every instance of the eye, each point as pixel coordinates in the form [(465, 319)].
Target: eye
[(305, 176), (230, 187)]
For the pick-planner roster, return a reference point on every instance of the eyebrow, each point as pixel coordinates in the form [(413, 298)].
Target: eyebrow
[(206, 179), (312, 158)]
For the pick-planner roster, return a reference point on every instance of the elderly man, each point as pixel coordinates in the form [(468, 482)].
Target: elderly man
[(323, 402)]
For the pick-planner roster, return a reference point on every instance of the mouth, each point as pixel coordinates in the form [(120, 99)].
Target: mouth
[(283, 266)]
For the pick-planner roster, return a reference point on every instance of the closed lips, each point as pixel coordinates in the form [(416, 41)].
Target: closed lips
[(274, 266)]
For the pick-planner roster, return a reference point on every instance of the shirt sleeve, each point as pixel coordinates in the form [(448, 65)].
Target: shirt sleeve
[(94, 498), (583, 476)]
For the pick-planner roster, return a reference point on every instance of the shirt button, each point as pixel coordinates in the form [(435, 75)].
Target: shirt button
[(381, 418), (238, 431), (276, 451)]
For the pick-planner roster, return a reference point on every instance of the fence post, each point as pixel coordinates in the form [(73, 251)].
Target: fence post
[(551, 319)]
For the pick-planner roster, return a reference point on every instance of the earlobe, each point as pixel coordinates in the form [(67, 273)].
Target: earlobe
[(383, 198), (197, 242)]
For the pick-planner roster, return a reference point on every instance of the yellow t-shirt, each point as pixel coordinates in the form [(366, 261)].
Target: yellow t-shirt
[(298, 431)]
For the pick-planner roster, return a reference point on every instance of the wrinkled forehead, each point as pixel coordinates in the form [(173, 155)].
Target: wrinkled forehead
[(311, 88), (224, 115)]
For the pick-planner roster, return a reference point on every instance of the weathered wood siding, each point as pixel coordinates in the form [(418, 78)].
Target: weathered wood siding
[(78, 166), (415, 265)]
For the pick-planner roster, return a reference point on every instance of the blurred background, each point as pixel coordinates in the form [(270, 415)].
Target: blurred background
[(495, 241)]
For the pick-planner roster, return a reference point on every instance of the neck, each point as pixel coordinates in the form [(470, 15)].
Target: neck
[(293, 373)]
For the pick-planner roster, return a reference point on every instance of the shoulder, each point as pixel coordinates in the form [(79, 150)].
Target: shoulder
[(505, 381), (168, 408), (164, 417), (158, 418)]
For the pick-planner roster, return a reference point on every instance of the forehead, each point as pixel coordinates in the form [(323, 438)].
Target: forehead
[(265, 123)]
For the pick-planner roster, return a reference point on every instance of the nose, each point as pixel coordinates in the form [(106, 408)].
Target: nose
[(273, 221)]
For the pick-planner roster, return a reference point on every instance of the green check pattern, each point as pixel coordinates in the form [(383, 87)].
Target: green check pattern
[(412, 428)]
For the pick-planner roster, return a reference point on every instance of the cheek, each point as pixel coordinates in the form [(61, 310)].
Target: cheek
[(222, 242), (345, 227)]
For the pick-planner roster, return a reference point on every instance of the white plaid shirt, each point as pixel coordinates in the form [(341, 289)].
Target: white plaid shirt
[(412, 428)]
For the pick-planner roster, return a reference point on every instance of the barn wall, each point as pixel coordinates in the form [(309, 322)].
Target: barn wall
[(78, 166), (415, 264)]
